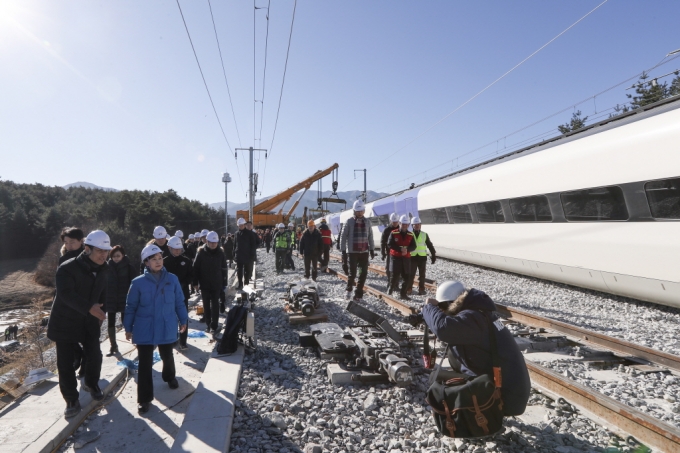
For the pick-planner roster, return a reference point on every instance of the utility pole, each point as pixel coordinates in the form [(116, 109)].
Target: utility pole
[(363, 196), (226, 179), (252, 180)]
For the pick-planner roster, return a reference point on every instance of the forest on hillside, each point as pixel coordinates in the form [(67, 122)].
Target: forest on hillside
[(32, 216)]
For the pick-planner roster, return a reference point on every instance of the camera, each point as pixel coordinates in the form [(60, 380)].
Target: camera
[(416, 319)]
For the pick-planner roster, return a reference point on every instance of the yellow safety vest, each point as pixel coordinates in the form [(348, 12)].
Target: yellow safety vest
[(421, 248)]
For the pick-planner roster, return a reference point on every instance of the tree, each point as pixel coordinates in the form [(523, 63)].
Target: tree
[(576, 123), (674, 89), (647, 92), (35, 328)]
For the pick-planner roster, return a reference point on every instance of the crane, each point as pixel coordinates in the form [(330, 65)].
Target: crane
[(263, 211)]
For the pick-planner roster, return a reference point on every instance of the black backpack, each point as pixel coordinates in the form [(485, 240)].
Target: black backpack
[(236, 323)]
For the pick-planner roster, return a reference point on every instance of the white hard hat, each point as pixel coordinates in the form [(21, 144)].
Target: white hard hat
[(175, 243), (150, 250), (449, 291), (291, 224), (179, 234), (281, 225), (204, 233), (98, 239), (404, 220), (416, 221), (212, 237), (358, 206), (394, 217), (241, 221), (159, 232), (191, 236), (197, 235)]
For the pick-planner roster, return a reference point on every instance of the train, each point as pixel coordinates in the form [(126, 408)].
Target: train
[(595, 208)]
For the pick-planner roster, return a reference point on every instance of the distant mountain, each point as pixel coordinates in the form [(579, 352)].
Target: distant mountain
[(89, 185), (308, 200)]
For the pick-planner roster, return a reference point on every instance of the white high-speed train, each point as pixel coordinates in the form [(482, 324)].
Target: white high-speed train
[(598, 208)]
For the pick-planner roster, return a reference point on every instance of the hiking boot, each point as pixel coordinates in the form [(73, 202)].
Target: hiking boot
[(405, 297), (240, 286), (72, 409), (421, 292), (183, 347), (357, 299), (143, 408), (207, 329), (173, 384), (349, 295), (95, 391), (113, 351)]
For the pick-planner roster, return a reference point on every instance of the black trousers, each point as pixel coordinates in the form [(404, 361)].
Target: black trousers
[(244, 271), (268, 245), (311, 260), (145, 376), (111, 318), (280, 259), (211, 306), (289, 260), (418, 263), (325, 255), (388, 269), (401, 267), (68, 383), (358, 263)]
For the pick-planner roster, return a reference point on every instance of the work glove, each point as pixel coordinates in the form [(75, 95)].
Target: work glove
[(372, 254), (433, 259)]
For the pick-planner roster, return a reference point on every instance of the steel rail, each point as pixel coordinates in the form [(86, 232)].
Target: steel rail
[(380, 270), (607, 411), (614, 344)]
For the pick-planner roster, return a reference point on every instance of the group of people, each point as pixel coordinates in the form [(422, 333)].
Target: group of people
[(11, 332)]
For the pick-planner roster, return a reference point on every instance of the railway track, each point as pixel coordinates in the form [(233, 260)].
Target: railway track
[(615, 415)]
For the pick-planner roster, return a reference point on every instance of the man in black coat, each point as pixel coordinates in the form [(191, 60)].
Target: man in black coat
[(311, 246), (76, 318), (244, 247), (210, 274), (464, 325), (179, 264), (72, 239)]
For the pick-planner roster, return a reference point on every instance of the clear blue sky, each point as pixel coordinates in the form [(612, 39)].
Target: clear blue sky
[(109, 91)]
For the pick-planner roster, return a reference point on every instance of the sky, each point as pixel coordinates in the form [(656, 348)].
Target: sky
[(110, 92)]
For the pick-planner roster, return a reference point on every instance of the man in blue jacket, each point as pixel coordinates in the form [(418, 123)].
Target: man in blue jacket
[(464, 326), (154, 309)]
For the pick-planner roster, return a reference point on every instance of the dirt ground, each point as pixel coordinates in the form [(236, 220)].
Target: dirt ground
[(17, 287)]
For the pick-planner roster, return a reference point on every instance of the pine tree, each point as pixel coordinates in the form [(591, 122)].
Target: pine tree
[(648, 92), (576, 123), (674, 89)]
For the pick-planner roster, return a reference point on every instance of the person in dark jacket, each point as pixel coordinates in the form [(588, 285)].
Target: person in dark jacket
[(267, 238), (120, 275), (311, 246), (327, 243), (210, 274), (160, 239), (464, 326), (181, 267), (244, 247), (190, 247), (72, 239), (229, 249), (384, 251), (154, 309), (76, 316), (401, 244), (256, 242)]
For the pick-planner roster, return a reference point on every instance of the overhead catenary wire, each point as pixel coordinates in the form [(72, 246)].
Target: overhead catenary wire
[(224, 71), (208, 90), (489, 86), (283, 81)]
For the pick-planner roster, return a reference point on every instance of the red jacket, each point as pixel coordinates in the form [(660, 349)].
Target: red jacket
[(325, 234), (398, 240)]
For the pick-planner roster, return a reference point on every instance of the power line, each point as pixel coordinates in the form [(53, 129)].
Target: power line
[(490, 85), (207, 90), (283, 81), (225, 74), (264, 72)]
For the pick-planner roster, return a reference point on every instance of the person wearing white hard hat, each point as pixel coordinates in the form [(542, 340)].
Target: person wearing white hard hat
[(153, 311), (467, 321), (76, 317), (290, 264), (203, 235), (244, 247), (210, 275), (401, 244), (419, 255), (181, 266), (356, 243), (190, 247), (282, 244), (384, 252), (160, 239), (179, 234)]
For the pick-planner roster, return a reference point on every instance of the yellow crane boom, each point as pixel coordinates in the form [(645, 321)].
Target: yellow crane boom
[(262, 212)]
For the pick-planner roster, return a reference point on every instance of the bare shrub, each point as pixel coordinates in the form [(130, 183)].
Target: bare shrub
[(47, 266)]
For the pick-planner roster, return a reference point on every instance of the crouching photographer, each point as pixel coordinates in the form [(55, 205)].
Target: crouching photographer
[(480, 347)]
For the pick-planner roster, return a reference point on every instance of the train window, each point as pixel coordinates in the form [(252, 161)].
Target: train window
[(664, 198), (596, 204), (459, 214), (490, 211), (531, 209), (384, 219), (426, 216), (439, 215)]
